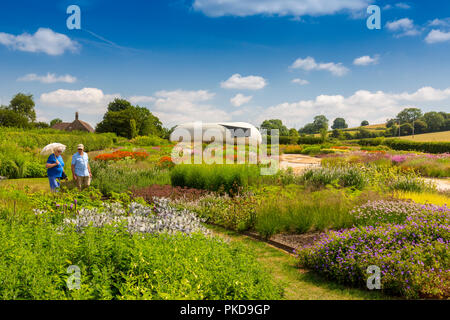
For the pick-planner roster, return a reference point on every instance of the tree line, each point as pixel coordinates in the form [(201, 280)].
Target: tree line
[(409, 121), (121, 118)]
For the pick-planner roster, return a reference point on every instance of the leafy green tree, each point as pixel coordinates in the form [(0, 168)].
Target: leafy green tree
[(324, 134), (119, 105), (320, 122), (406, 129), (391, 122), (118, 120), (339, 123), (55, 121), (364, 123), (133, 129), (309, 128), (10, 118), (293, 133), (420, 126), (23, 105), (435, 121), (409, 115), (337, 134), (276, 124)]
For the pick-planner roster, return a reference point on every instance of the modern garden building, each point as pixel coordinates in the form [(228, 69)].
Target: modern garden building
[(229, 132)]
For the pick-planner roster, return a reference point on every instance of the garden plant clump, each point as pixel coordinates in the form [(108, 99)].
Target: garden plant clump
[(140, 218), (124, 249), (413, 256)]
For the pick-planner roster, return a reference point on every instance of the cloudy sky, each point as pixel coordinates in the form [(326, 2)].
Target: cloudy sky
[(228, 60)]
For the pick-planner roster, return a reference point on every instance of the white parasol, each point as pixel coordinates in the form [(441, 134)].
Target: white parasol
[(50, 148)]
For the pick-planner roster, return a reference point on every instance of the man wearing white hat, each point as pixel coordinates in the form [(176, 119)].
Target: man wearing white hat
[(81, 169)]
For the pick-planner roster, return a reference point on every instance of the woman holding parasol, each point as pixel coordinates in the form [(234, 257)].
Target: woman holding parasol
[(55, 164)]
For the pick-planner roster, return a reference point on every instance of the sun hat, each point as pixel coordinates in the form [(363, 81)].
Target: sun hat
[(80, 146)]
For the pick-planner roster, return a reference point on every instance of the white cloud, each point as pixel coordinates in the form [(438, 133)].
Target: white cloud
[(301, 82), (400, 5), (403, 27), (236, 81), (365, 60), (375, 107), (403, 5), (87, 100), (440, 22), (242, 8), (141, 99), (44, 40), (175, 107), (239, 99), (310, 63), (436, 36), (49, 78)]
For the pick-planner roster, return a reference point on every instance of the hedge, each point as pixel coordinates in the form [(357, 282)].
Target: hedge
[(430, 147), (407, 145)]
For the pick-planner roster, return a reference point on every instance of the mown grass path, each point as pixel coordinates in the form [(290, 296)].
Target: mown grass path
[(299, 284)]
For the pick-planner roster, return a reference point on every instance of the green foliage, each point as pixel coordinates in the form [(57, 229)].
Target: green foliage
[(309, 140), (413, 257), (302, 212), (115, 265), (364, 123), (409, 115), (10, 118), (55, 121), (275, 124), (39, 138), (339, 123), (148, 141), (225, 178), (345, 176), (430, 147), (118, 119), (120, 176), (407, 145), (435, 121), (23, 105)]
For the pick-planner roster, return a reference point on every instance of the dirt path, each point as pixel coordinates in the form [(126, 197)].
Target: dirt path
[(298, 162), (441, 184)]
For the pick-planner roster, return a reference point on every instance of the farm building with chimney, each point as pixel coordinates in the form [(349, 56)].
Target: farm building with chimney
[(77, 125)]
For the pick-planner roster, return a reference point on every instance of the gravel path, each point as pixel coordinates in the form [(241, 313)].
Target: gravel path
[(298, 162), (441, 184)]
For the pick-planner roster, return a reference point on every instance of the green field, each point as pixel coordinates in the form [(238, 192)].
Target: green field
[(430, 137)]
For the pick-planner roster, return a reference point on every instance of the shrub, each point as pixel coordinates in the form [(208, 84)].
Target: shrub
[(412, 257), (223, 178), (431, 147), (293, 150), (115, 265), (118, 177), (302, 213), (385, 211), (346, 176), (310, 140), (148, 141)]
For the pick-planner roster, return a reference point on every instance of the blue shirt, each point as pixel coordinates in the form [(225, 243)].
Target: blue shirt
[(81, 164), (55, 172)]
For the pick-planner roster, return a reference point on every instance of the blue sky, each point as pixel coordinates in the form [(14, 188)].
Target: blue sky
[(228, 60)]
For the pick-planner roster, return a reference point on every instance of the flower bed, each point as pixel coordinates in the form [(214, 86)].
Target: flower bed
[(413, 256), (121, 154)]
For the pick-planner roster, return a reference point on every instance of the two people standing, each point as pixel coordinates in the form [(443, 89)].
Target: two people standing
[(81, 170)]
